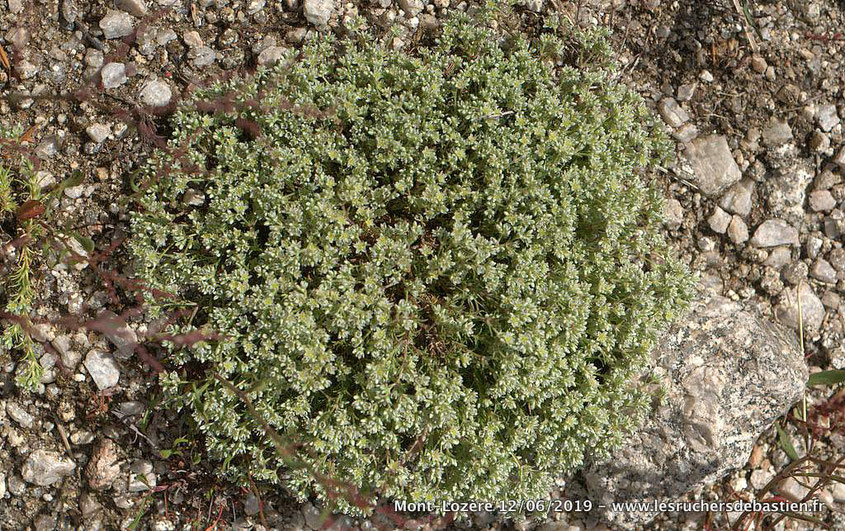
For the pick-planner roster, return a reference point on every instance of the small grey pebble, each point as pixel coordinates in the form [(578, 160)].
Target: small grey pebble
[(113, 75), (155, 94), (117, 24)]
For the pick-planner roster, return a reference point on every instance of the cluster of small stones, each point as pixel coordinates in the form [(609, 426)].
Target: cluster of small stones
[(783, 213), (757, 196)]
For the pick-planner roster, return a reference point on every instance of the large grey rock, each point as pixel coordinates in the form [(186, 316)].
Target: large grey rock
[(70, 12), (823, 271), (737, 230), (713, 164), (728, 374), (48, 147), (827, 179), (254, 6), (719, 220), (778, 257), (98, 132), (834, 224), (44, 468), (822, 201), (202, 56)]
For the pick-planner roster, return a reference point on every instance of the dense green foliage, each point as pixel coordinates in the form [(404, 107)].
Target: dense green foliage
[(443, 287)]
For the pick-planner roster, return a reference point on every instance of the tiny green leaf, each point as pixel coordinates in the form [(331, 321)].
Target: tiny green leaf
[(831, 377), (75, 179), (86, 242), (786, 443)]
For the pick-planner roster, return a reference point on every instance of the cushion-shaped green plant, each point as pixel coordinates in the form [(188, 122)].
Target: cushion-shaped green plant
[(439, 273)]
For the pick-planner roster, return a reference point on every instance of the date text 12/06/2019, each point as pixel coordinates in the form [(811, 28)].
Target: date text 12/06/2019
[(503, 506)]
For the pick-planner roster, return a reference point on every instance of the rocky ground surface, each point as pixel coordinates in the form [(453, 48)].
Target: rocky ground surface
[(756, 204), (727, 373)]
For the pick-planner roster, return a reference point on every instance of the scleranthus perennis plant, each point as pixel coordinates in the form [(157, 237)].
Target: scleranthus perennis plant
[(440, 274)]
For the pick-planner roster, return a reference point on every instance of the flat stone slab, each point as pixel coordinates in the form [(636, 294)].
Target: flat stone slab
[(774, 233)]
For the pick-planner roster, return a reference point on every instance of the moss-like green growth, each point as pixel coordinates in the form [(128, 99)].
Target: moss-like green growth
[(443, 283), (21, 204)]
